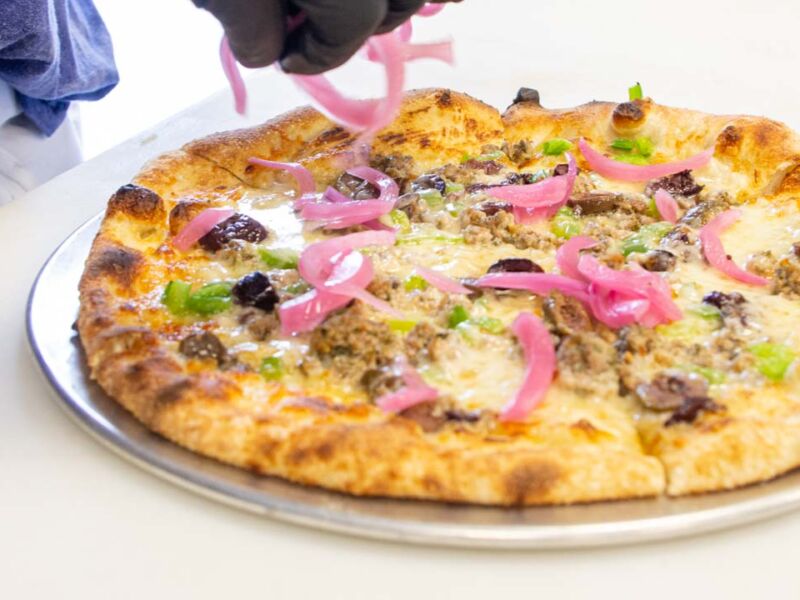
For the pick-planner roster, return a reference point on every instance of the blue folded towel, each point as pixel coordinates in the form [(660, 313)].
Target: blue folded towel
[(52, 52)]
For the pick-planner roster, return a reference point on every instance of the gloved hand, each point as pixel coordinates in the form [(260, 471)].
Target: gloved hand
[(333, 30)]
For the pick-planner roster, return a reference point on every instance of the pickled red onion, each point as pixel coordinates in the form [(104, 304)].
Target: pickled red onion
[(338, 275), (430, 9), (608, 167), (317, 261), (231, 69), (337, 211), (715, 252), (537, 283), (441, 282), (621, 298), (305, 180), (200, 226), (542, 199), (306, 312), (340, 215), (540, 360), (350, 276), (542, 194), (415, 391), (667, 206), (568, 254)]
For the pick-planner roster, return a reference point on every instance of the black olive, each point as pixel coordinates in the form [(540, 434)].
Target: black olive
[(731, 304), (204, 345), (492, 208), (515, 265), (237, 227), (429, 182), (691, 407), (256, 290), (681, 184)]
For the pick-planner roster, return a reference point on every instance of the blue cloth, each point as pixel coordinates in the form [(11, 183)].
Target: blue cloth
[(53, 52)]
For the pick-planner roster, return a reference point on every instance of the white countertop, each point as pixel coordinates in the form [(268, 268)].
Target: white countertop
[(77, 521)]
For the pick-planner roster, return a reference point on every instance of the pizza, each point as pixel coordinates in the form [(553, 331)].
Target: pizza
[(522, 308)]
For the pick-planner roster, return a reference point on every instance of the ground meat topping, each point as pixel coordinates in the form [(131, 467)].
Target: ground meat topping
[(353, 343), (205, 346), (586, 362), (763, 263), (256, 290), (501, 228), (691, 408), (399, 168), (669, 389), (679, 184), (515, 265), (261, 325), (732, 305), (787, 274), (425, 342), (521, 152), (566, 315), (237, 227)]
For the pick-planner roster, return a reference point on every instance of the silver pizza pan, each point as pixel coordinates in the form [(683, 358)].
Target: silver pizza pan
[(52, 309)]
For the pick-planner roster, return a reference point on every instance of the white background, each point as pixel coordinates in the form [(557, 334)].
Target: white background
[(78, 522)]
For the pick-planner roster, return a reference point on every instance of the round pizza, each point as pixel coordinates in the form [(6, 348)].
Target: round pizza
[(534, 307)]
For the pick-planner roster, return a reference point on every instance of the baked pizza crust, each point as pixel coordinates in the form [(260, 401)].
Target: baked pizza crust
[(237, 418)]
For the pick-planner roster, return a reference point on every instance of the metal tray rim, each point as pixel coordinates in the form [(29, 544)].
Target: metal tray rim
[(439, 533)]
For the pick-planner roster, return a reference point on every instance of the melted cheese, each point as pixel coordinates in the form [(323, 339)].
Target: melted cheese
[(482, 370)]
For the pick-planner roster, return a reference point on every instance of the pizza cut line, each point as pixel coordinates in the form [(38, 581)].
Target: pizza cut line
[(534, 307)]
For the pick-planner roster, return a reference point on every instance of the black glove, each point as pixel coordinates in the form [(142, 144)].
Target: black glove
[(332, 31)]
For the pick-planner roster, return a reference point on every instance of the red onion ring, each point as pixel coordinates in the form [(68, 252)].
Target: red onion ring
[(568, 254), (536, 283), (306, 312), (430, 9), (542, 199), (338, 274), (540, 360), (307, 187), (608, 167), (715, 252), (441, 282), (667, 206), (337, 211), (415, 391), (231, 69)]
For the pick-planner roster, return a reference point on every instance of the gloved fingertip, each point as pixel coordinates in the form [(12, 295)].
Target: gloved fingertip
[(298, 64)]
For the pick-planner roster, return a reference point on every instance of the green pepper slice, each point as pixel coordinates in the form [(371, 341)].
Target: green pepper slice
[(773, 360)]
